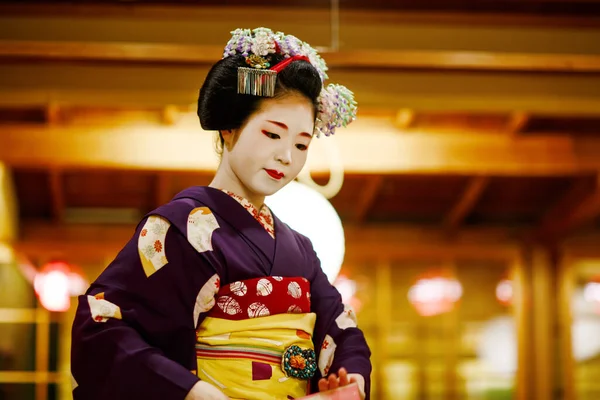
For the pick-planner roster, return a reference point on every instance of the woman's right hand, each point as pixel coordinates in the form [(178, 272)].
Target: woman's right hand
[(205, 391)]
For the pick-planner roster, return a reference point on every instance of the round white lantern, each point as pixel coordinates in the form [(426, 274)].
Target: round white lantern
[(308, 212)]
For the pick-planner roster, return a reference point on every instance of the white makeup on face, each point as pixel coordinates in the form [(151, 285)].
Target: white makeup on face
[(271, 149)]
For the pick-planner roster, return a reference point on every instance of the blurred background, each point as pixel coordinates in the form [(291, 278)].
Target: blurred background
[(468, 189)]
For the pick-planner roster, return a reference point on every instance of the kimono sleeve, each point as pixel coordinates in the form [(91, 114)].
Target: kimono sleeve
[(339, 341), (134, 331)]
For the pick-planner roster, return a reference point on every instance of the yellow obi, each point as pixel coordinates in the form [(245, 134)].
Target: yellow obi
[(244, 358), (256, 342)]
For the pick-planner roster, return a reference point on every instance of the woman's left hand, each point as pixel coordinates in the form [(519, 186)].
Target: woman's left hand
[(342, 379)]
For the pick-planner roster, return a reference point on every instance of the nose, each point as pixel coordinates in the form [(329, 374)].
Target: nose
[(284, 155)]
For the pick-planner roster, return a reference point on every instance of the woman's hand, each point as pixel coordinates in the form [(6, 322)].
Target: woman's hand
[(205, 391), (342, 379)]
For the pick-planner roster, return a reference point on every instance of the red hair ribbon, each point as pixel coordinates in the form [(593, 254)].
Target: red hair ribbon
[(279, 67)]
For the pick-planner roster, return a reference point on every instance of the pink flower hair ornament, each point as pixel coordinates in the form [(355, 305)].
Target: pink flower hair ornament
[(337, 107)]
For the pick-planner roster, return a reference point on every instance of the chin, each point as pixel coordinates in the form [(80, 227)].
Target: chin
[(269, 189)]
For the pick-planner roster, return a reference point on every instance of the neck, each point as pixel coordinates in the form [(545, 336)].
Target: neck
[(225, 179)]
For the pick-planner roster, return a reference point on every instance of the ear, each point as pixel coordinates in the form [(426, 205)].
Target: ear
[(228, 137)]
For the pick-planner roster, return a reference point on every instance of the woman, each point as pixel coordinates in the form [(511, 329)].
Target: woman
[(214, 297)]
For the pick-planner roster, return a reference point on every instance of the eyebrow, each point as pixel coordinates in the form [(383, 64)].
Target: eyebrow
[(284, 126)]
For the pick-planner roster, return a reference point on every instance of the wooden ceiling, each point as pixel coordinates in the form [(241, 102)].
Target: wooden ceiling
[(452, 201), (492, 138), (542, 203), (546, 7)]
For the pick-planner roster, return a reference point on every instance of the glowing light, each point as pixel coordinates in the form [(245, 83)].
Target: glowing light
[(497, 345), (308, 212), (347, 288), (56, 283), (591, 292), (505, 292), (435, 295), (53, 290)]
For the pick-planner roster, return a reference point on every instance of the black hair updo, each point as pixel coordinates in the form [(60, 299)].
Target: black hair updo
[(220, 107)]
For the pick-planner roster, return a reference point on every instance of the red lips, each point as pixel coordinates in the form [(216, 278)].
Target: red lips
[(275, 174)]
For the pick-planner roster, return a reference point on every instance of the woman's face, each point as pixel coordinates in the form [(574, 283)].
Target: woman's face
[(270, 150)]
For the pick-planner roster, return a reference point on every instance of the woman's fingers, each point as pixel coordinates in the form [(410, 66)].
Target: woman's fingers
[(343, 377), (323, 385), (333, 382)]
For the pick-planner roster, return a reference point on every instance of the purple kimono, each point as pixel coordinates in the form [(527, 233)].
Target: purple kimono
[(134, 333)]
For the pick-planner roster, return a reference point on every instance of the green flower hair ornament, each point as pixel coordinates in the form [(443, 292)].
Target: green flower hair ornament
[(337, 107)]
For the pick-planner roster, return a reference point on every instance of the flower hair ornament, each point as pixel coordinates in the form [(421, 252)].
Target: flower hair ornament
[(337, 107)]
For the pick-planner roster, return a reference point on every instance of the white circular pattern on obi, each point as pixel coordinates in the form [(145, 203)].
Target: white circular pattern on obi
[(229, 305), (294, 309), (277, 278), (238, 288), (264, 287), (294, 290), (256, 310)]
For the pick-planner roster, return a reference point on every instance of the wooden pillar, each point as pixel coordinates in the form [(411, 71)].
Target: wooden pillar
[(383, 278), (521, 278), (538, 351), (451, 331), (8, 214), (64, 354), (565, 283), (42, 352), (543, 322)]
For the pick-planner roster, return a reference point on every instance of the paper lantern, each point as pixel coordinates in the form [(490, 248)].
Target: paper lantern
[(434, 294), (55, 283), (591, 294), (308, 212), (505, 292), (497, 345)]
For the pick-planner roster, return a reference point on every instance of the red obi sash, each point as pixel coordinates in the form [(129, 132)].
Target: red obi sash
[(261, 297)]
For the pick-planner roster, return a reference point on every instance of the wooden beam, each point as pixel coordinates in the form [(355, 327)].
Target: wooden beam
[(143, 11), (109, 51), (57, 195), (369, 145), (367, 197), (465, 204), (89, 244), (464, 61), (177, 54), (580, 205), (374, 91)]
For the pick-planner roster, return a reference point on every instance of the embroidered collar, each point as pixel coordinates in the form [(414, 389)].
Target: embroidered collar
[(263, 216)]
